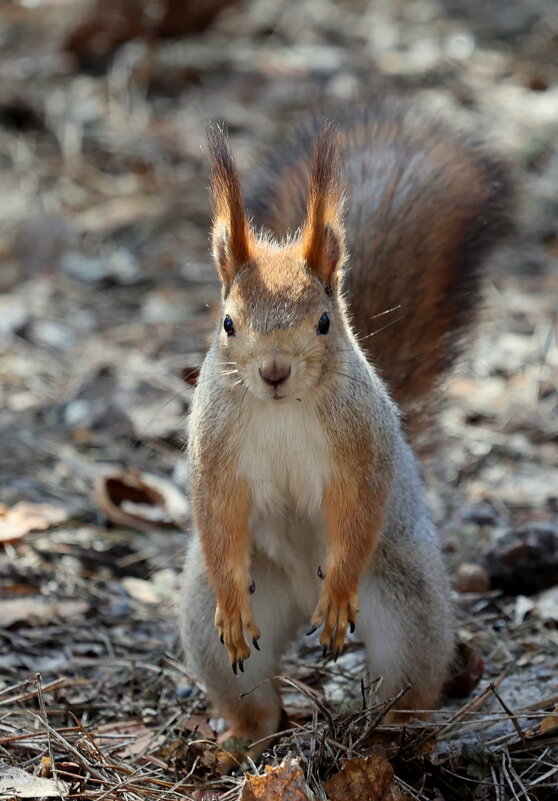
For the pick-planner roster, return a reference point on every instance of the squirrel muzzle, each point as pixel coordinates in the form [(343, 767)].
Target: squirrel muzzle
[(274, 372)]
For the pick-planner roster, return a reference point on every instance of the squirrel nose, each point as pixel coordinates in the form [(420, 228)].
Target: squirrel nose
[(275, 374)]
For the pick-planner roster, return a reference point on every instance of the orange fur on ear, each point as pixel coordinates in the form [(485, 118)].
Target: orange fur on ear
[(230, 233), (323, 235)]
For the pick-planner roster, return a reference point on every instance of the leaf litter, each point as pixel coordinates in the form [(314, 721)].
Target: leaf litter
[(108, 305)]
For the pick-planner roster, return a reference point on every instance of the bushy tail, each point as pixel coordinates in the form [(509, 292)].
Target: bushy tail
[(425, 207)]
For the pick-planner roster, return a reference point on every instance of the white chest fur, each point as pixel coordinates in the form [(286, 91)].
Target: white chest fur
[(284, 456)]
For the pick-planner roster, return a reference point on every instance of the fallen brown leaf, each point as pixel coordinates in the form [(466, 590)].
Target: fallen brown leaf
[(467, 671), (38, 610), (550, 723), (284, 782), (365, 779), (199, 724), (141, 500), (46, 766), (128, 738), (470, 577), (21, 519)]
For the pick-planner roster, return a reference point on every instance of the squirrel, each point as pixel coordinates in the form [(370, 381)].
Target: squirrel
[(308, 502)]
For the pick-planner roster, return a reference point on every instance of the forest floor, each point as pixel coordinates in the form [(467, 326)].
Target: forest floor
[(106, 299)]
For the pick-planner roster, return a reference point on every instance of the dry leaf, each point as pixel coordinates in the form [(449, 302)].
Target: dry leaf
[(15, 782), (546, 606), (19, 520), (46, 766), (141, 500), (284, 782), (129, 738), (38, 610), (198, 723), (365, 779), (550, 723), (470, 577), (140, 590), (467, 671), (522, 607)]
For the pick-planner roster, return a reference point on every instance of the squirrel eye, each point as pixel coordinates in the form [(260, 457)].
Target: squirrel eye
[(228, 325), (323, 324)]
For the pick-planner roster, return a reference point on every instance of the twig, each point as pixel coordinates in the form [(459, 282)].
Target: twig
[(389, 705), (298, 685), (39, 686), (546, 775), (509, 713), (54, 685), (509, 778), (31, 735), (82, 760), (123, 783)]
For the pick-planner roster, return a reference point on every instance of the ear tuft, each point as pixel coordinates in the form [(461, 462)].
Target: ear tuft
[(323, 236), (231, 233)]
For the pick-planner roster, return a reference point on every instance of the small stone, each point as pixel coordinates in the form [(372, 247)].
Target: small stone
[(482, 513), (471, 578), (183, 692), (84, 268)]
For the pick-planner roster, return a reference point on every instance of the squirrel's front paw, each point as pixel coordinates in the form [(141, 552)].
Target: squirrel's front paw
[(336, 612), (231, 632)]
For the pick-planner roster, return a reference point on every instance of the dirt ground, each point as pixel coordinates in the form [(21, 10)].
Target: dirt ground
[(106, 297)]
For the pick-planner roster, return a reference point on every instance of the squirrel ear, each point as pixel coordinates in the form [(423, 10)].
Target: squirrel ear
[(230, 234), (323, 235)]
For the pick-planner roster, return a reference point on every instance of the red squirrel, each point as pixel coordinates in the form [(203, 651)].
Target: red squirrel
[(309, 507)]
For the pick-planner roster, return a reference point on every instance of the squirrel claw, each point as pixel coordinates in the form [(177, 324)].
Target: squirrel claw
[(312, 629), (255, 643), (337, 615), (232, 626)]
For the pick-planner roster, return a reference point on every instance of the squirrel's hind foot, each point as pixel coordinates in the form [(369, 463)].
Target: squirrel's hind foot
[(412, 706), (249, 737)]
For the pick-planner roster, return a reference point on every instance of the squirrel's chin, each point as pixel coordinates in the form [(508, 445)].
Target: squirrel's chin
[(277, 397), (274, 397)]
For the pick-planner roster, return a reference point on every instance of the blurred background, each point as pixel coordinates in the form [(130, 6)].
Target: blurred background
[(106, 297)]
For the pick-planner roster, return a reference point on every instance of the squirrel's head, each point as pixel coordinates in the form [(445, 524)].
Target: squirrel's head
[(281, 300)]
